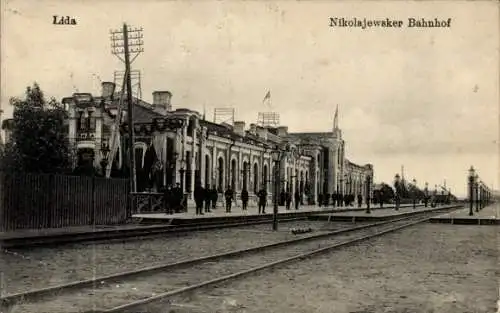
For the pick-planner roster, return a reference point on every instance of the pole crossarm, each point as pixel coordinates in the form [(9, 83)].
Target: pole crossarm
[(132, 46)]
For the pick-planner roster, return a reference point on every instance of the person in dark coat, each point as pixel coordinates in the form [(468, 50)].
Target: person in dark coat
[(320, 200), (168, 200), (244, 199), (262, 195), (199, 197), (360, 200), (215, 196), (208, 198), (297, 199), (288, 199), (228, 195), (177, 198)]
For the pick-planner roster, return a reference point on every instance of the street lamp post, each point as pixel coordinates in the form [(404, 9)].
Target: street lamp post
[(471, 190), (414, 193), (340, 199), (476, 184), (368, 190), (435, 195), (276, 157), (480, 192), (396, 188), (426, 194)]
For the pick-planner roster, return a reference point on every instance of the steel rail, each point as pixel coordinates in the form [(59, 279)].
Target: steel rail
[(151, 231), (34, 295), (109, 236), (161, 297)]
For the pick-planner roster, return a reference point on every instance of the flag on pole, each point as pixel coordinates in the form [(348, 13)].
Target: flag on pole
[(267, 96)]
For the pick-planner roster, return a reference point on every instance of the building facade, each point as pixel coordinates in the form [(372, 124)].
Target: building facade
[(215, 155)]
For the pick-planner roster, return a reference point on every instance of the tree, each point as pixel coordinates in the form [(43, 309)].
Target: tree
[(386, 192), (38, 142)]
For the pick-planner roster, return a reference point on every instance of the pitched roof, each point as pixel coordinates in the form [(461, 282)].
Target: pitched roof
[(227, 132), (143, 111)]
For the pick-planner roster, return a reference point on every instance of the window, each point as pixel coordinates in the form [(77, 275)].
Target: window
[(190, 127)]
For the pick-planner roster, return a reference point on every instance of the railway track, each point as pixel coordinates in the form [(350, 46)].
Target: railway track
[(110, 236), (115, 235), (131, 291)]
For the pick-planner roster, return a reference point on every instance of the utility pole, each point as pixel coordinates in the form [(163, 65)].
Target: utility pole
[(129, 42)]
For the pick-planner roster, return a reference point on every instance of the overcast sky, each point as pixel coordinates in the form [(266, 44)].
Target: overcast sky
[(425, 98)]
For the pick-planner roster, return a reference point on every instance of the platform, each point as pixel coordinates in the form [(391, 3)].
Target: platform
[(489, 215), (219, 215), (380, 214)]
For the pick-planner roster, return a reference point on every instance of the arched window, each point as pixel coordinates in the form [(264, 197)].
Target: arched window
[(208, 166), (233, 174), (139, 156), (255, 178), (188, 171), (190, 127), (301, 183), (220, 170), (265, 177), (245, 175)]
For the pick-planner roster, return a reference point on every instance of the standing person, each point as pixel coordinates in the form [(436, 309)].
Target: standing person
[(360, 200), (229, 198), (262, 195), (199, 197), (208, 198), (320, 199), (215, 196), (288, 199), (297, 199), (244, 199), (177, 198), (168, 198)]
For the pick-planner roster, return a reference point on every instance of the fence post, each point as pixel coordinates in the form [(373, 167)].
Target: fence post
[(51, 206), (92, 218)]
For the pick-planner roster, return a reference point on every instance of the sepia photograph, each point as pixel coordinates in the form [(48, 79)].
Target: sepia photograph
[(260, 156)]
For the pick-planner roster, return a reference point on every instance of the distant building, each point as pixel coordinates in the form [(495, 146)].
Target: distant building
[(216, 155)]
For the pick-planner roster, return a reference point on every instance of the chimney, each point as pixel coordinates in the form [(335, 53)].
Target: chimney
[(262, 132), (282, 131), (161, 100), (253, 129), (108, 89), (239, 128)]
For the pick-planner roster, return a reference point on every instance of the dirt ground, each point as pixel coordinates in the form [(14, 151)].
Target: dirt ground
[(429, 268), (26, 269)]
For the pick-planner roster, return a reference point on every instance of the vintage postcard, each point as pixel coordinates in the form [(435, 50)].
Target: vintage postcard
[(249, 156)]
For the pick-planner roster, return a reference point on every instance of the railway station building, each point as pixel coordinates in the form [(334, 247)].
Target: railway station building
[(237, 155)]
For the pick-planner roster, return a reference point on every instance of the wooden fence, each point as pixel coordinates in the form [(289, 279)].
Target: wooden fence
[(52, 201)]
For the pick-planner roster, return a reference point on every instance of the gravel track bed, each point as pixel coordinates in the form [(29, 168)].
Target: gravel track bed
[(24, 270), (429, 268), (106, 295)]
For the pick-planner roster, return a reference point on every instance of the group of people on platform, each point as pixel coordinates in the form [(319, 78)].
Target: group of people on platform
[(339, 199), (174, 199), (207, 198)]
